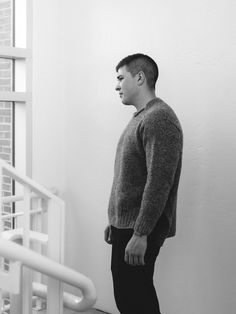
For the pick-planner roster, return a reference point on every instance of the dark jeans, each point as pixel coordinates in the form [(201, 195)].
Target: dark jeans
[(133, 285)]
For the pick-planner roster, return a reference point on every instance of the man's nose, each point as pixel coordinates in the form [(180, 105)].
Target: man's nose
[(117, 88)]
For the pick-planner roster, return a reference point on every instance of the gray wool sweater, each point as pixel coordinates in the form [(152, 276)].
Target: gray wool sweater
[(147, 170)]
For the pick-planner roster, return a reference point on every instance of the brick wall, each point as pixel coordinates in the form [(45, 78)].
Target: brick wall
[(6, 108), (6, 22)]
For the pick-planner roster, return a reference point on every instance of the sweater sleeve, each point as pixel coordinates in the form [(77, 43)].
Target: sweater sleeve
[(162, 145)]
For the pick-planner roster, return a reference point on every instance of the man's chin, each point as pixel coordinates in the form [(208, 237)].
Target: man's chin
[(125, 102)]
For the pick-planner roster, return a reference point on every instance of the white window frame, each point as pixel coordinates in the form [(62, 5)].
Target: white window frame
[(25, 54)]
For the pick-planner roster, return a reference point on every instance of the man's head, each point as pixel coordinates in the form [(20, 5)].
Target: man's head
[(141, 63)]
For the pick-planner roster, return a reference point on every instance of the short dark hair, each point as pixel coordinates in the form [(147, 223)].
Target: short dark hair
[(140, 62)]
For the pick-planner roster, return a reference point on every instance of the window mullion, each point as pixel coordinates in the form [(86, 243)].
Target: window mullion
[(14, 53), (14, 96)]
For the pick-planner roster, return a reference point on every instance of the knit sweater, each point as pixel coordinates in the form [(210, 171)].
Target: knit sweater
[(147, 170)]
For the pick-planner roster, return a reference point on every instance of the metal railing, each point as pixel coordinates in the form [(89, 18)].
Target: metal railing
[(44, 265), (39, 222)]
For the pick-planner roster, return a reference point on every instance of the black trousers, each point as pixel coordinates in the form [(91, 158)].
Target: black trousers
[(133, 285)]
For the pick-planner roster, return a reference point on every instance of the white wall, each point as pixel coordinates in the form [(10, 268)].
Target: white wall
[(194, 44), (48, 95)]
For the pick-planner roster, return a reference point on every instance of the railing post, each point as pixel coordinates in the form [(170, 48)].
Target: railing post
[(55, 249), (37, 225), (27, 273), (15, 303)]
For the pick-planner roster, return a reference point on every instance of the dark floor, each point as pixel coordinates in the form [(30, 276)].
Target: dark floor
[(94, 311)]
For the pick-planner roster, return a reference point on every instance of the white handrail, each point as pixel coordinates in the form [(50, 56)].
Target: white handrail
[(55, 207), (32, 212), (53, 269), (70, 301), (16, 198), (23, 179)]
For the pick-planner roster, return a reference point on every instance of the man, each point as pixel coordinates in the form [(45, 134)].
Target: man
[(142, 206)]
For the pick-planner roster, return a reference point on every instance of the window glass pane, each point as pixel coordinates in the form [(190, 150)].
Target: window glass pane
[(6, 22), (6, 127), (6, 75), (6, 152), (19, 75), (6, 108), (20, 23)]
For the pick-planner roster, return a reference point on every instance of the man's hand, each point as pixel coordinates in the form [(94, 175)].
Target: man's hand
[(107, 235), (135, 250)]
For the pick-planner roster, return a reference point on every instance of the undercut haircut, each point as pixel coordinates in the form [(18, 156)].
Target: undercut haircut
[(140, 62)]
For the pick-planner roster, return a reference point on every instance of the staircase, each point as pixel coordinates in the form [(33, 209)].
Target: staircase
[(32, 253)]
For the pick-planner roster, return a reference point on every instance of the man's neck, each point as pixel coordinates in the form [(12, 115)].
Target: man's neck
[(143, 100)]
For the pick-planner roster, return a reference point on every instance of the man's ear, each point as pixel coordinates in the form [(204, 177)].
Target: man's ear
[(141, 78)]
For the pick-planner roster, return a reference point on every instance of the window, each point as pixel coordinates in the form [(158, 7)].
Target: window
[(15, 90)]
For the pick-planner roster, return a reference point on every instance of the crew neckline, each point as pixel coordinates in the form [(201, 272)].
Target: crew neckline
[(145, 107)]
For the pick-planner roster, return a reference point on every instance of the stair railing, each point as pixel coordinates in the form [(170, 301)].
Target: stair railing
[(47, 266), (39, 224)]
